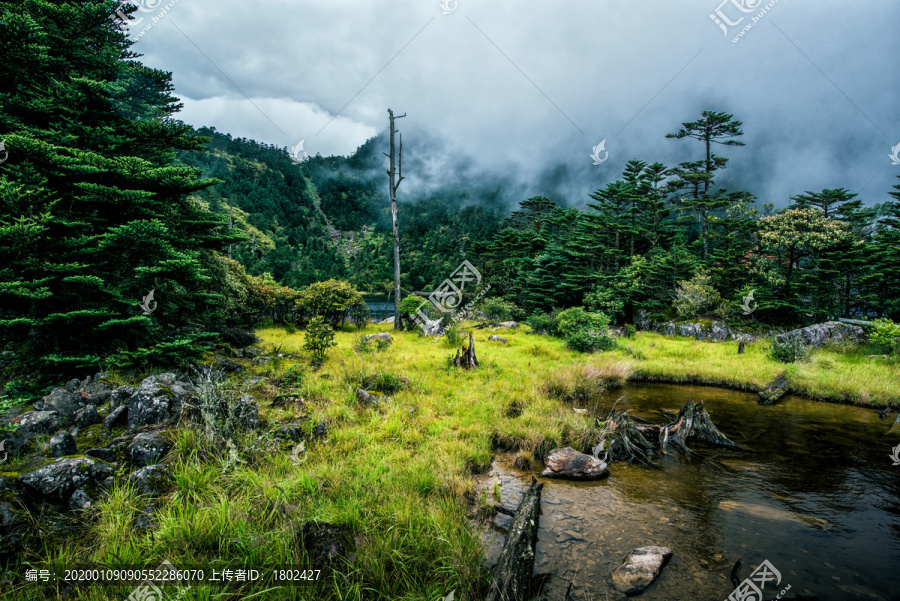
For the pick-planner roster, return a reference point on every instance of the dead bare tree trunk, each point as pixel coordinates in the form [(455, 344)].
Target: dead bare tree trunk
[(395, 176), (513, 577), (468, 359)]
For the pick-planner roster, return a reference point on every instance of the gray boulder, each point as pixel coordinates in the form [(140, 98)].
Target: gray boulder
[(495, 338), (568, 464), (79, 501), (293, 431), (38, 423), (64, 402), (58, 480), (147, 449), (94, 392), (87, 416), (640, 568), (508, 324), (156, 399), (823, 333), (150, 480), (62, 444), (379, 336), (120, 395), (116, 417)]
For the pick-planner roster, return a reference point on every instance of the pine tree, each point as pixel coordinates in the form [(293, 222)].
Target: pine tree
[(94, 215)]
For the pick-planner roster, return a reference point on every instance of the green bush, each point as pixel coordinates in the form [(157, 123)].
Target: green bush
[(331, 300), (696, 295), (453, 335), (359, 314), (788, 351), (543, 323), (577, 319), (886, 334), (319, 338), (589, 341), (497, 310), (293, 377)]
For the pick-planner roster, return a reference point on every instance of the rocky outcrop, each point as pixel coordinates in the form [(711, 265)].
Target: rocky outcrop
[(640, 568), (58, 480), (87, 416), (37, 423), (117, 417), (711, 330), (822, 334), (569, 464)]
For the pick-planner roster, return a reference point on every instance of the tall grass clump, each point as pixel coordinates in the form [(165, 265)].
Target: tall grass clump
[(218, 406)]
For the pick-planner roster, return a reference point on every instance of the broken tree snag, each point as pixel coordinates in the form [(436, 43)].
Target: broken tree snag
[(776, 389), (513, 577), (467, 359), (693, 424), (741, 346)]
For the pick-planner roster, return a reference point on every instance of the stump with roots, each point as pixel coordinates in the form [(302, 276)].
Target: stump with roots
[(622, 440), (693, 424), (466, 360)]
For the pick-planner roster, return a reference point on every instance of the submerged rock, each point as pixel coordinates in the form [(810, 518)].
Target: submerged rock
[(640, 569), (569, 464)]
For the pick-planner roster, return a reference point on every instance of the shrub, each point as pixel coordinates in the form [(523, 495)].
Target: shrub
[(696, 295), (886, 334), (788, 351), (543, 323), (359, 314), (319, 338), (331, 300), (218, 406), (453, 335), (497, 310), (589, 341), (577, 319), (293, 377)]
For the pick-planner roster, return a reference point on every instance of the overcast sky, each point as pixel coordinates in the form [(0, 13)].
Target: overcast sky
[(524, 90)]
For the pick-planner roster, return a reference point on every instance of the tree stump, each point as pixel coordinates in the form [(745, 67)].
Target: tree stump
[(513, 578), (466, 360), (741, 346), (693, 424)]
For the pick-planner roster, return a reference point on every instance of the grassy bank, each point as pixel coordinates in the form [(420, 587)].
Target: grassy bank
[(399, 474)]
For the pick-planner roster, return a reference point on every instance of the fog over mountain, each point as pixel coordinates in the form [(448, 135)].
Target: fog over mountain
[(518, 93)]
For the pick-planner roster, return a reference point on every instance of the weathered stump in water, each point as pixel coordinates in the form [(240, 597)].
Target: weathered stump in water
[(776, 389), (693, 424), (466, 360), (513, 578), (741, 348), (622, 440)]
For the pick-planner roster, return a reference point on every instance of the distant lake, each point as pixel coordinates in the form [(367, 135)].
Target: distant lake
[(380, 305)]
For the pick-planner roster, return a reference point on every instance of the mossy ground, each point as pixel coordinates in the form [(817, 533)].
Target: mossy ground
[(398, 474)]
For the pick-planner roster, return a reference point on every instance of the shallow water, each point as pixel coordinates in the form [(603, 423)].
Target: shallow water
[(815, 494)]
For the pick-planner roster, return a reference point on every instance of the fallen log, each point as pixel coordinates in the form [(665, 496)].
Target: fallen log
[(622, 440), (513, 577), (693, 424), (776, 389)]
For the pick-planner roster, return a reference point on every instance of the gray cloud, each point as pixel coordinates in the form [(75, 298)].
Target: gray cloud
[(522, 91)]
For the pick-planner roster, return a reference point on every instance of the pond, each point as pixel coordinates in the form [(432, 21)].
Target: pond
[(381, 306), (815, 493)]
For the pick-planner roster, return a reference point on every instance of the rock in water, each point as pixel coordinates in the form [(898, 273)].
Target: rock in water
[(640, 568), (569, 464)]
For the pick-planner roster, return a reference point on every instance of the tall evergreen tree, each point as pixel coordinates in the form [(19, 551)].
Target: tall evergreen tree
[(94, 214)]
